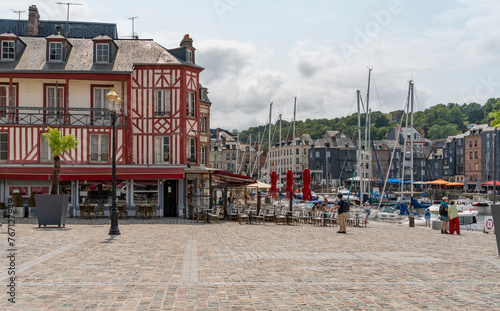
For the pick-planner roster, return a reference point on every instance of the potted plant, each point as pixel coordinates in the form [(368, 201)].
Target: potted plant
[(51, 208), (18, 201), (32, 205), (2, 209)]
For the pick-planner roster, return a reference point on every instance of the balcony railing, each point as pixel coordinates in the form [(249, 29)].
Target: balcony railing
[(58, 116)]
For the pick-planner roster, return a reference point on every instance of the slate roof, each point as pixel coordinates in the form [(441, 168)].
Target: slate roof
[(81, 58), (86, 30)]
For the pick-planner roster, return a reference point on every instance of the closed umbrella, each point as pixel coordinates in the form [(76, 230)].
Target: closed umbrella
[(289, 187), (306, 191), (289, 183), (274, 181)]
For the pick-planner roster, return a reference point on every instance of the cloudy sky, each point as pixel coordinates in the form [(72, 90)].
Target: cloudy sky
[(256, 52)]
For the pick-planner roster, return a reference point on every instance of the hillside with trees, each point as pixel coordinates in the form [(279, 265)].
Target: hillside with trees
[(437, 122)]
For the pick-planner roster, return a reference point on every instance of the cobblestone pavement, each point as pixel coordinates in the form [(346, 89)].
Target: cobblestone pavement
[(176, 264)]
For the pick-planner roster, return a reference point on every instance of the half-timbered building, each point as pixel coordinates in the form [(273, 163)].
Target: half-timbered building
[(61, 80)]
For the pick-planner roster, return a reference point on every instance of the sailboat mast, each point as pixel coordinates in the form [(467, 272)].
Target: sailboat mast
[(251, 151), (412, 138), (360, 163), (293, 148), (367, 164), (269, 147), (280, 155), (237, 152)]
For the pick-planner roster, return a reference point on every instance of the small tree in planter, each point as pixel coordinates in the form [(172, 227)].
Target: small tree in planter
[(32, 205), (59, 145), (18, 201), (51, 209)]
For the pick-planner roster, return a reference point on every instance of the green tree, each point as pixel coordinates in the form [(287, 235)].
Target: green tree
[(59, 145)]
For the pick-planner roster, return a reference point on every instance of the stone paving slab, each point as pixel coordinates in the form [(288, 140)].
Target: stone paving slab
[(177, 264)]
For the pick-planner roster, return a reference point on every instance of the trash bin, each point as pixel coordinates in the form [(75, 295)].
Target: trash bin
[(412, 221)]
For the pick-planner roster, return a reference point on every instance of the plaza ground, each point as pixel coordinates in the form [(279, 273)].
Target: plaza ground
[(177, 264)]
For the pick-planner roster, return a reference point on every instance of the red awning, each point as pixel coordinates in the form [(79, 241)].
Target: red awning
[(490, 183), (90, 173)]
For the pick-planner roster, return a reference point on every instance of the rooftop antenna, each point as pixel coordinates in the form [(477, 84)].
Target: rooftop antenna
[(67, 17), (19, 21), (133, 32)]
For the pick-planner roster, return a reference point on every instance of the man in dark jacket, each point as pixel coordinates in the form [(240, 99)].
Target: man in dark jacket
[(342, 213)]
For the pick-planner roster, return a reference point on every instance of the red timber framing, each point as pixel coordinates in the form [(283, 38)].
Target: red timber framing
[(24, 144), (145, 125)]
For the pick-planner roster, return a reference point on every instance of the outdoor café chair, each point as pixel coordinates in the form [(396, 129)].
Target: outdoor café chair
[(259, 217), (332, 220), (100, 209), (90, 210), (242, 216), (122, 211), (198, 214), (214, 215), (150, 211), (84, 210)]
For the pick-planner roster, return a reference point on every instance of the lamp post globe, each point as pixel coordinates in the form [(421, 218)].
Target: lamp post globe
[(114, 103)]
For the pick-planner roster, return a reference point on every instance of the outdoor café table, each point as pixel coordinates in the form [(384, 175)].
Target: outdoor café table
[(356, 220), (288, 216)]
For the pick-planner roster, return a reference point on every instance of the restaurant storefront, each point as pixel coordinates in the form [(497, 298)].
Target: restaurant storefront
[(174, 191)]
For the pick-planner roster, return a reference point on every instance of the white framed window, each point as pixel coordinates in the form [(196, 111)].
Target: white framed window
[(8, 50), (189, 56), (163, 103), (5, 98), (101, 108), (99, 148), (55, 51), (203, 153), (162, 149), (55, 101), (190, 102), (4, 147), (102, 52), (45, 150), (191, 150)]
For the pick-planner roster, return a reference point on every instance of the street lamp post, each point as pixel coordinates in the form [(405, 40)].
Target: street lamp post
[(114, 103)]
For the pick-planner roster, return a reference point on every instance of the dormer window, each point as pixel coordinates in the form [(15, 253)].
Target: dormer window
[(102, 52), (8, 50), (189, 56), (55, 51), (102, 49)]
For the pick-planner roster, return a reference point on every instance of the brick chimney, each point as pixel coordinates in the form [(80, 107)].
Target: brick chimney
[(33, 21), (422, 133), (186, 41)]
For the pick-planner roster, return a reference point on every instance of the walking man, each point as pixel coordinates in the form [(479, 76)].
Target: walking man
[(342, 210)]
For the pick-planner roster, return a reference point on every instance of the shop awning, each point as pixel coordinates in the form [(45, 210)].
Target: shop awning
[(233, 180), (259, 185), (89, 173)]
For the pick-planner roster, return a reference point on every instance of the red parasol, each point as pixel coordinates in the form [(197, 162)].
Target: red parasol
[(289, 183), (274, 181), (306, 191)]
